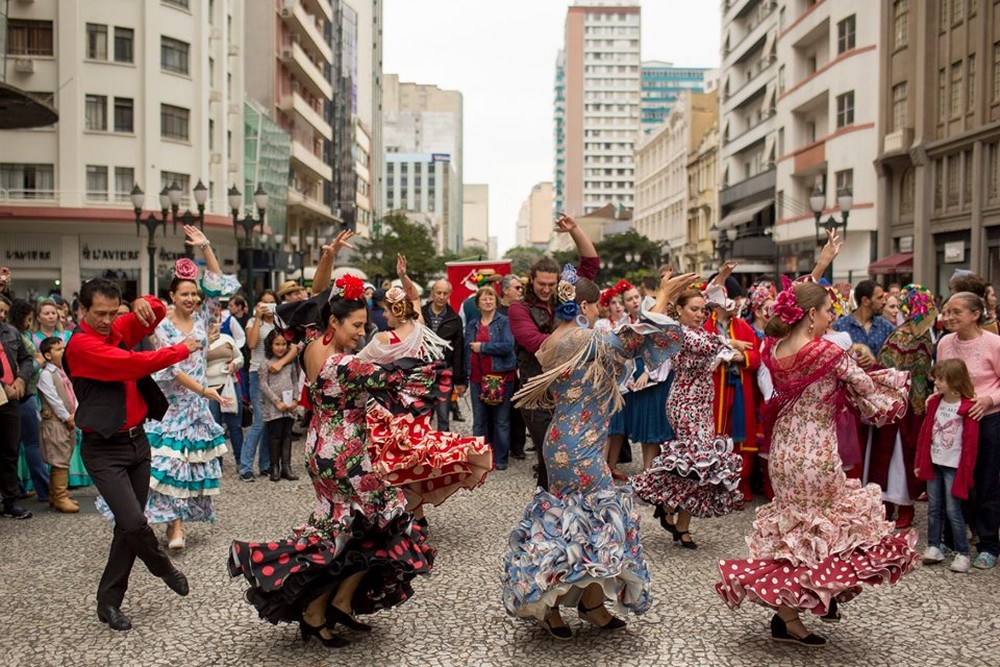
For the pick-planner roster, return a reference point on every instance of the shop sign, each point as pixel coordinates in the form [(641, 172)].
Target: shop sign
[(30, 251), (954, 252), (109, 252)]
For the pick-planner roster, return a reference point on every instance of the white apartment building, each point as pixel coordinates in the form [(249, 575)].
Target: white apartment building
[(534, 218), (421, 183), (148, 94), (662, 158), (827, 117), (597, 106), (476, 215)]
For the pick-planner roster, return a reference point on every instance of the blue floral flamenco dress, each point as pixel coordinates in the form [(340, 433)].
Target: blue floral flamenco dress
[(584, 530)]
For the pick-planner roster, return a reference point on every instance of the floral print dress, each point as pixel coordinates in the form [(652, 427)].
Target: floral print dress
[(823, 535), (584, 529), (698, 470), (359, 522)]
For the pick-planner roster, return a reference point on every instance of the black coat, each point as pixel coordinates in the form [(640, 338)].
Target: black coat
[(451, 331)]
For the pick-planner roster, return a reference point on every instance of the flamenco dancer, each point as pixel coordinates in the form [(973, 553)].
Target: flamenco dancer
[(429, 465), (698, 474), (823, 535), (360, 549), (578, 542)]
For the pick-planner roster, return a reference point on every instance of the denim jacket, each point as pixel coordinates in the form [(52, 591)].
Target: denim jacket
[(500, 347)]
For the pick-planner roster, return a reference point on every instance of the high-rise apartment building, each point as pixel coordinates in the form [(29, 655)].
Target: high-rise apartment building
[(419, 118), (148, 93), (827, 136), (939, 152), (476, 215), (597, 106), (419, 186), (534, 219), (661, 84)]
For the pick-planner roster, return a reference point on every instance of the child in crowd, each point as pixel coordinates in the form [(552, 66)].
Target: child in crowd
[(946, 458), (278, 392), (57, 432)]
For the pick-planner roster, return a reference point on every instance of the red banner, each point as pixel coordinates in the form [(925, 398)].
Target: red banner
[(462, 276)]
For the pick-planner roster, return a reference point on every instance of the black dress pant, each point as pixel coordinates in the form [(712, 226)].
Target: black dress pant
[(10, 444), (538, 422), (119, 467)]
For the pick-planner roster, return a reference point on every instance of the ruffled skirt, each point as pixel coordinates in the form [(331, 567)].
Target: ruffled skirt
[(430, 465), (286, 575), (562, 545), (803, 558), (646, 414), (700, 476)]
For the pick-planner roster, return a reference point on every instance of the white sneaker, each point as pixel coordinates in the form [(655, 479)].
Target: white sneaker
[(933, 555), (960, 564)]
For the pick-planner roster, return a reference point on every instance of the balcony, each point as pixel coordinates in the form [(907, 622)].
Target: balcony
[(759, 77), (810, 160), (320, 7), (305, 207), (753, 36), (304, 159), (305, 71), (900, 140), (303, 25), (304, 112)]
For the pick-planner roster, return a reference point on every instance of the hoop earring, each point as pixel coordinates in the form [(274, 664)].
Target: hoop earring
[(328, 337), (582, 321)]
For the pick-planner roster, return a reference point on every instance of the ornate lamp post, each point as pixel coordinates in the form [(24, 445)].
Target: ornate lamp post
[(817, 202), (247, 223), (151, 222)]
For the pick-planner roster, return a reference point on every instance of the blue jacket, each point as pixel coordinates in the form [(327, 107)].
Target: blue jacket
[(500, 347)]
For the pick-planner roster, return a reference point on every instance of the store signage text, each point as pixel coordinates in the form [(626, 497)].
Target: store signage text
[(106, 254), (28, 255)]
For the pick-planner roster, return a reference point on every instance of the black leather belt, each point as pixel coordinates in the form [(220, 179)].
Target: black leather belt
[(133, 433)]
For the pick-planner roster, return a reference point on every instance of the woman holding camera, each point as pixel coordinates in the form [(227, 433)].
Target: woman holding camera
[(260, 325)]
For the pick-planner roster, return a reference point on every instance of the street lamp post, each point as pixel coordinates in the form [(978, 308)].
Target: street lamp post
[(174, 194), (151, 222), (723, 241), (817, 202), (247, 223)]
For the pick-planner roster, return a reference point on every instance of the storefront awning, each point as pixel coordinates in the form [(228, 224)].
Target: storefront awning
[(743, 215), (891, 265)]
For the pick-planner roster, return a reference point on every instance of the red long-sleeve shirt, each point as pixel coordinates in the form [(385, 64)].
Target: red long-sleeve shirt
[(526, 333), (96, 357)]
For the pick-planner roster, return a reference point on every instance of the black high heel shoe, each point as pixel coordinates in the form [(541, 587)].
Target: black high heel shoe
[(687, 544), (561, 632), (335, 615), (308, 631), (833, 613), (780, 633), (661, 514), (614, 624)]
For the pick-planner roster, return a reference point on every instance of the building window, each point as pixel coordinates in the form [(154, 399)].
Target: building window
[(996, 72), (97, 41), (183, 181), (174, 122), (124, 115), (942, 95), (967, 179), (844, 180), (44, 97), (899, 106), (124, 180), (901, 24), (845, 109), (95, 110), (845, 34), (174, 55), (956, 89), (97, 182), (27, 181), (942, 15), (993, 186), (124, 45), (211, 134), (957, 11), (907, 192), (971, 86), (938, 184), (29, 38), (183, 4), (954, 178)]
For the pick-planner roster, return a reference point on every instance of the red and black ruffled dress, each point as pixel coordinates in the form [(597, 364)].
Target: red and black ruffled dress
[(359, 523)]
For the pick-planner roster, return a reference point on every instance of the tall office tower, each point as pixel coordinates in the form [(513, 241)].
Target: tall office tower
[(661, 84), (148, 93), (534, 219), (597, 106)]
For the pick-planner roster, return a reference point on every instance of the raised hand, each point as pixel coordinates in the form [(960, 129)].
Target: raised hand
[(401, 265), (343, 240), (673, 286), (565, 224), (833, 245), (725, 271), (194, 235)]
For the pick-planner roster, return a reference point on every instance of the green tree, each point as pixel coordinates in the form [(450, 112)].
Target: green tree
[(521, 258), (617, 250), (377, 256)]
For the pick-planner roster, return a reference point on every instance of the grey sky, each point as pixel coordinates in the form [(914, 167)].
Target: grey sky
[(501, 56)]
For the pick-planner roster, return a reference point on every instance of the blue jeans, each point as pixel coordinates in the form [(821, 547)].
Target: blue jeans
[(493, 422), (30, 422), (941, 503), (985, 497), (444, 415), (255, 436), (233, 421)]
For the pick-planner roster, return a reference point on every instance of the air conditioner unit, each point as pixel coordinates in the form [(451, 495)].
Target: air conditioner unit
[(24, 66), (286, 54), (216, 158)]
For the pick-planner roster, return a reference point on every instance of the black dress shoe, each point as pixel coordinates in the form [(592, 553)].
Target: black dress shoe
[(14, 511), (335, 615), (780, 633), (177, 582), (114, 617)]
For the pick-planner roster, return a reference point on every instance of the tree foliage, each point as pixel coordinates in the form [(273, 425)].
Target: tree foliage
[(377, 256), (521, 258), (616, 250)]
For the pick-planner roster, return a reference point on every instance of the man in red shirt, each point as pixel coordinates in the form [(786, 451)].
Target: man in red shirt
[(115, 396)]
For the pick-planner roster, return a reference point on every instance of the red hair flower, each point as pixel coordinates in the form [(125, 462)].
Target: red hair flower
[(786, 307), (350, 287), (185, 269)]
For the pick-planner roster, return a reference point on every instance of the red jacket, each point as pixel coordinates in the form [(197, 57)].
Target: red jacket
[(970, 447), (722, 399)]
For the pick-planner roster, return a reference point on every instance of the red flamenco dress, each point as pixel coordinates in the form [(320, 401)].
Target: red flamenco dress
[(823, 536), (359, 523)]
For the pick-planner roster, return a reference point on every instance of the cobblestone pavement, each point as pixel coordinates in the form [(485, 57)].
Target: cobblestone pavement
[(50, 565)]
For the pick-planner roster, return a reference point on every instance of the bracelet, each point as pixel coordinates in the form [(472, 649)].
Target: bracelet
[(206, 244), (202, 392)]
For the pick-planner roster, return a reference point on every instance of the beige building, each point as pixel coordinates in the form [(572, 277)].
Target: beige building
[(534, 220), (703, 202), (662, 159), (476, 215), (597, 225), (939, 158)]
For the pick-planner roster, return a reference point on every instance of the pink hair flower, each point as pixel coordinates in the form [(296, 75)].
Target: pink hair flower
[(786, 308), (185, 269)]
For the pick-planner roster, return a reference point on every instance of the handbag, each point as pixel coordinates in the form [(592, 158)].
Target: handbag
[(247, 420), (229, 392), (492, 386)]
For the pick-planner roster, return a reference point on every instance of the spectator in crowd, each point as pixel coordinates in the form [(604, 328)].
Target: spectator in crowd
[(47, 323), (291, 291), (511, 290), (442, 319), (225, 359), (891, 312), (16, 364), (259, 326), (57, 433), (967, 281), (377, 313), (868, 331), (22, 316)]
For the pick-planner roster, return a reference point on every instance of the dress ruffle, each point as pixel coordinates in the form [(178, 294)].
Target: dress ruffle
[(286, 575), (562, 545), (701, 477), (191, 450), (181, 479)]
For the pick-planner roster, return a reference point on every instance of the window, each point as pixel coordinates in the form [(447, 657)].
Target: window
[(124, 180), (97, 182), (44, 97), (957, 11), (907, 192), (29, 38), (996, 72), (174, 122), (967, 179), (942, 15), (211, 134), (183, 4), (993, 185), (971, 86), (124, 45), (901, 23), (845, 34), (183, 181), (95, 109), (938, 184), (27, 181), (899, 106), (97, 41), (956, 89), (124, 115), (174, 55), (844, 180), (954, 176), (845, 109)]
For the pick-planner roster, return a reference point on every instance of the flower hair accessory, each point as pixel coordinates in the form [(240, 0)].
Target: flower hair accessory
[(185, 269), (349, 287), (569, 274), (786, 308), (395, 294), (566, 294), (916, 301), (760, 293)]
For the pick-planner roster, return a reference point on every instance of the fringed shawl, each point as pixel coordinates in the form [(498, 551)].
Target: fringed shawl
[(422, 343)]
